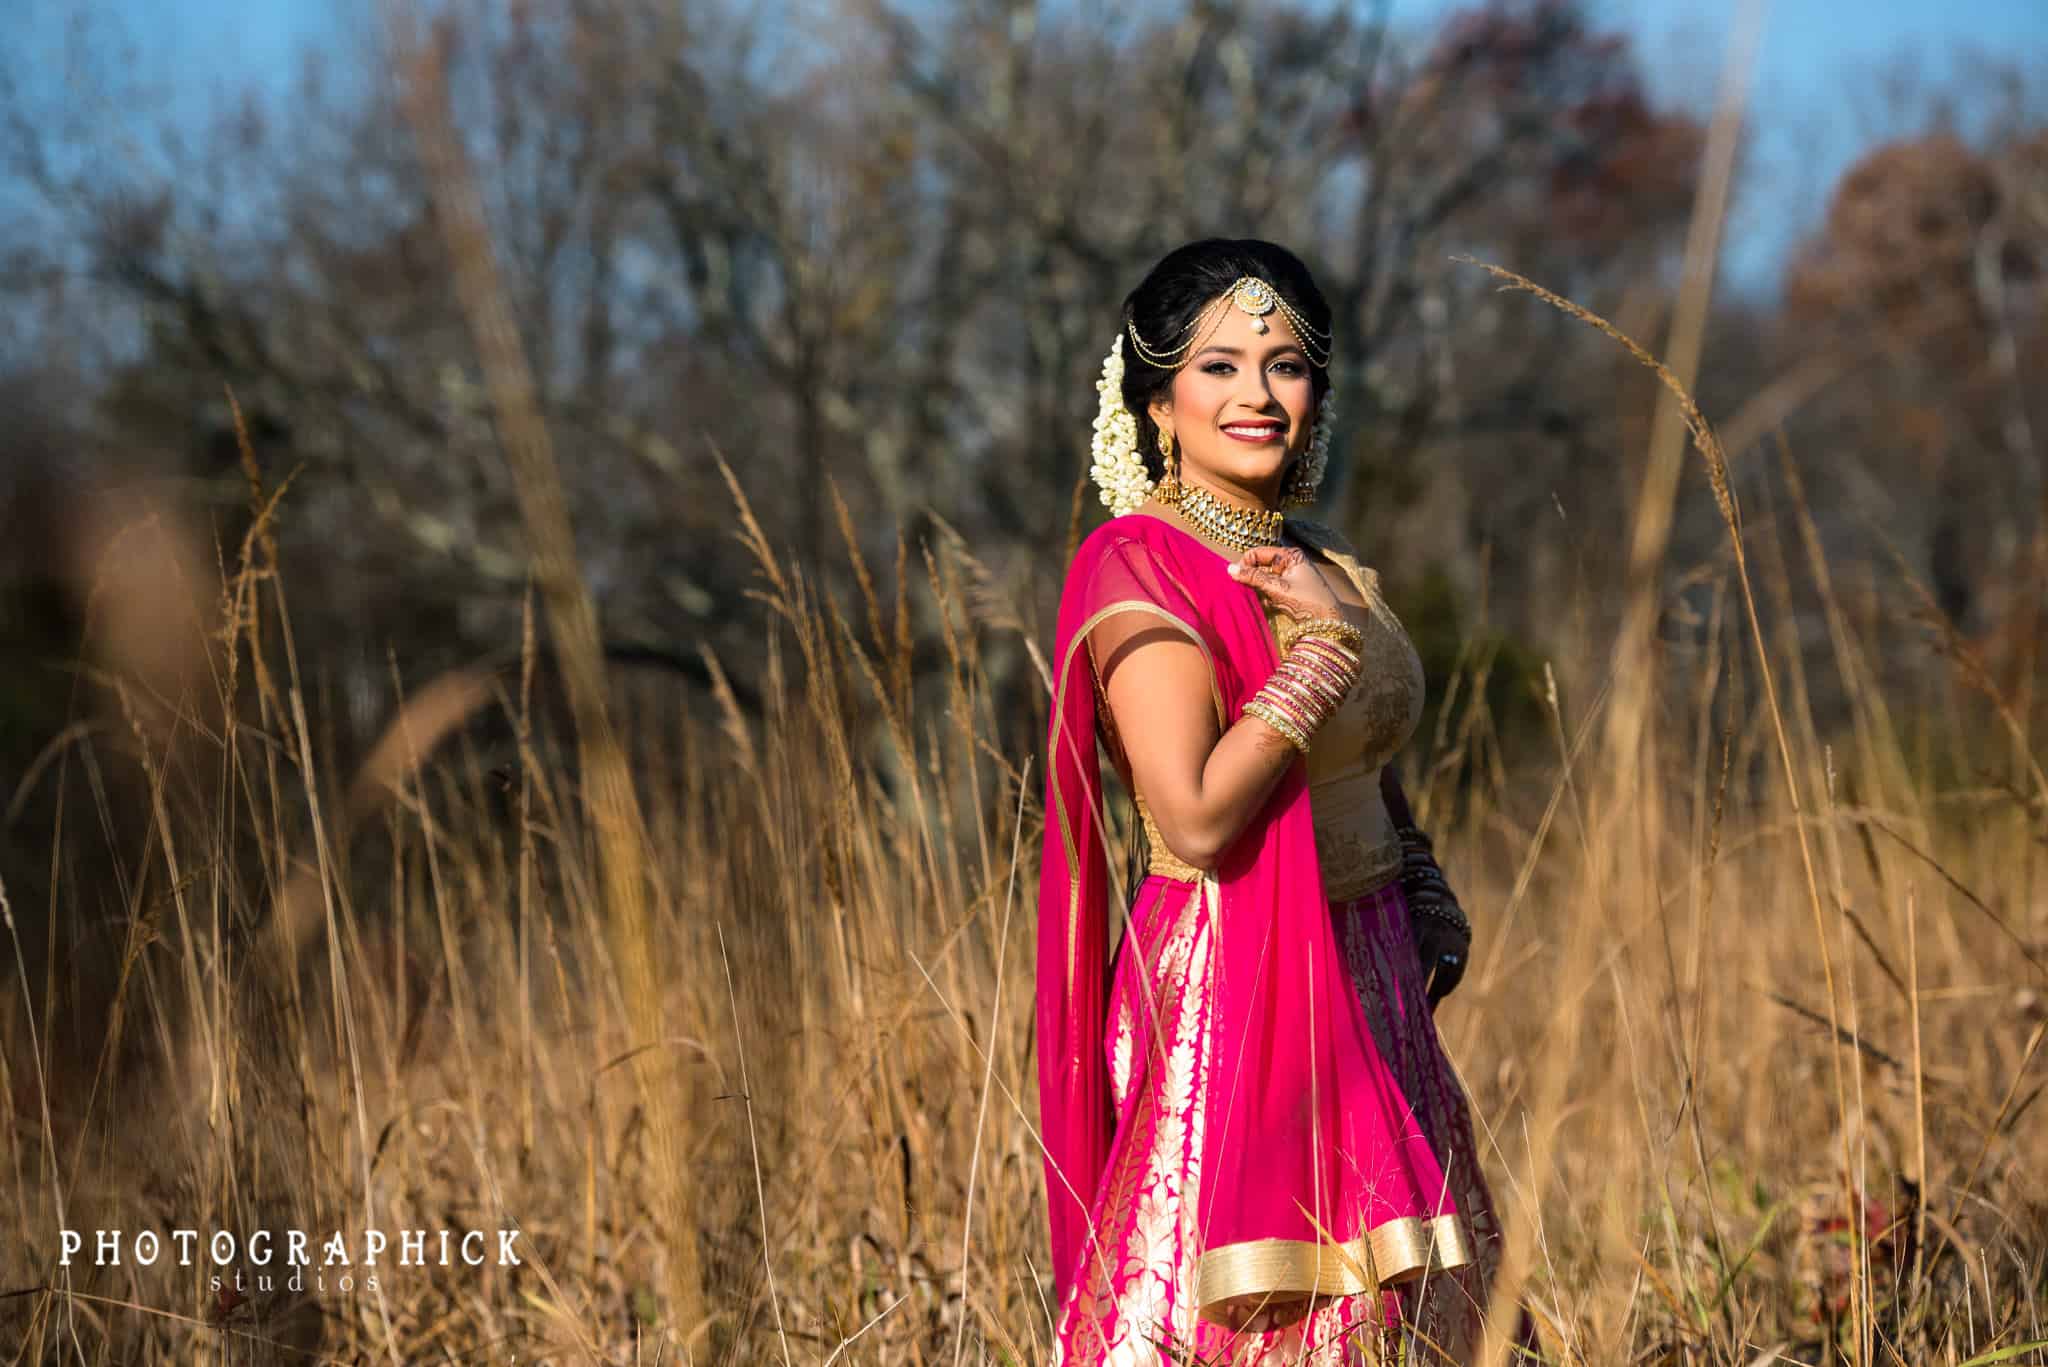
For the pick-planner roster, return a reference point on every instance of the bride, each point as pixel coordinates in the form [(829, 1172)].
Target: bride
[(1256, 1151)]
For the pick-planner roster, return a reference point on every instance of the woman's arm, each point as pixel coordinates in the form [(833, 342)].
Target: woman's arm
[(1443, 933), (1202, 784)]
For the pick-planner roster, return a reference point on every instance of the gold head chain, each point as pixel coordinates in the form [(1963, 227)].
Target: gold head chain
[(1255, 297)]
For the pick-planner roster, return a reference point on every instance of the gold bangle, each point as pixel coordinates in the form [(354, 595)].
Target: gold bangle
[(1337, 681), (1306, 713), (1271, 716), (1319, 696), (1319, 646), (1330, 628), (1289, 732)]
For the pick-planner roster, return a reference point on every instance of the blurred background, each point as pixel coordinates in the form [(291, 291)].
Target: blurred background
[(883, 246), (352, 351)]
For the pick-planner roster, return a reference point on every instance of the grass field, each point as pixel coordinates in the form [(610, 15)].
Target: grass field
[(727, 1011)]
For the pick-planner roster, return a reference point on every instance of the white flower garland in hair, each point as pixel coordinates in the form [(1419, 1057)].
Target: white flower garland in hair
[(1119, 472)]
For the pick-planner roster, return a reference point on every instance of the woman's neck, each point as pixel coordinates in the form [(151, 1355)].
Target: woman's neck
[(1253, 500)]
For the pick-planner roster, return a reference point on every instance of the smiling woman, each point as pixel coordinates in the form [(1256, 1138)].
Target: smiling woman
[(1256, 1151)]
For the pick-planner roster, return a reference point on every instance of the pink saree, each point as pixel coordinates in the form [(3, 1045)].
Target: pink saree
[(1237, 1053)]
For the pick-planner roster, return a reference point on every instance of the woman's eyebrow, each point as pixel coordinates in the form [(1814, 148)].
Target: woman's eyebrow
[(1239, 351)]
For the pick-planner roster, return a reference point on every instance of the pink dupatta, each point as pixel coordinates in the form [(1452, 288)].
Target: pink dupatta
[(1318, 1180)]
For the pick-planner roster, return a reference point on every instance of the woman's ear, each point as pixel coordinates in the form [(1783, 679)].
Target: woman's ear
[(1161, 411)]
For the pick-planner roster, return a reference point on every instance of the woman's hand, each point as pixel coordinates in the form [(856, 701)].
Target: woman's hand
[(1443, 949), (1284, 576)]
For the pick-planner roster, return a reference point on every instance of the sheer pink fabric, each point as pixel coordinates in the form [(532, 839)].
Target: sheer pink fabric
[(1301, 1133)]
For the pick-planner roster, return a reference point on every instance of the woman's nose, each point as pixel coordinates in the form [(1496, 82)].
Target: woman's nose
[(1261, 392)]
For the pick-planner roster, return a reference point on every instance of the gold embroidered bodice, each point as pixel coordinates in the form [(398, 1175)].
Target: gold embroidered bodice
[(1355, 842)]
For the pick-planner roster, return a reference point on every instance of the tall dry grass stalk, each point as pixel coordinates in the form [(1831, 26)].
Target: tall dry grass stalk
[(668, 1096)]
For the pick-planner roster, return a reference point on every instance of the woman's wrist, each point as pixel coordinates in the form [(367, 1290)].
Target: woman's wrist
[(1330, 626), (1312, 679), (1450, 914), (1267, 712), (1422, 881)]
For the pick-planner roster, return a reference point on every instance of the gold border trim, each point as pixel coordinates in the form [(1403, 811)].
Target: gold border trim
[(1239, 1276), (1162, 860)]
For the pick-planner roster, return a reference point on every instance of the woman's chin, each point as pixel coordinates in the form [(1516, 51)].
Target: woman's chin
[(1251, 468)]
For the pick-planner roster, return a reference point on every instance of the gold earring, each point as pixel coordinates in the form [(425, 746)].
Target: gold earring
[(1292, 492), (1169, 487)]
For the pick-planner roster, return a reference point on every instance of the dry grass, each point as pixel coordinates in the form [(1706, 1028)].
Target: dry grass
[(1754, 1030)]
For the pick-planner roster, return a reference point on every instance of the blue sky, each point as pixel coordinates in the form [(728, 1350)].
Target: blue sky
[(1814, 98), (1816, 95)]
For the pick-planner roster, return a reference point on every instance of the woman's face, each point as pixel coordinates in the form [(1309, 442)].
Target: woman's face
[(1240, 407)]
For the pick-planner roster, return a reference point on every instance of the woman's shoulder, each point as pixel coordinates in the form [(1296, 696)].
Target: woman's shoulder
[(1137, 524), (1137, 555), (1152, 533)]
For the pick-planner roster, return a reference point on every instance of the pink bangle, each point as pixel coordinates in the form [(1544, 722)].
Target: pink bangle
[(1302, 715), (1332, 683), (1309, 691), (1316, 648), (1293, 676), (1340, 684), (1321, 645), (1287, 729)]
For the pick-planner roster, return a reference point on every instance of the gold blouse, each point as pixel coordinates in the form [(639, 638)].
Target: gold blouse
[(1355, 841)]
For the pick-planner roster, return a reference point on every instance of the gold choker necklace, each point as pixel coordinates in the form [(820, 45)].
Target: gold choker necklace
[(1233, 524)]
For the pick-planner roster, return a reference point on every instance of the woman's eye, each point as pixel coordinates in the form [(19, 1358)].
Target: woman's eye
[(1225, 367)]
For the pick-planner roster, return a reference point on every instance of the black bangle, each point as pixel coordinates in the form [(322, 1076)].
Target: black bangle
[(1423, 881), (1452, 916)]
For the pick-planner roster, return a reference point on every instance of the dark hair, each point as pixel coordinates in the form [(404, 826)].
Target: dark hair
[(1174, 293)]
